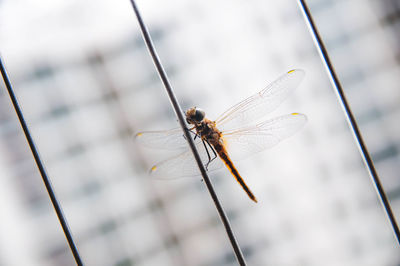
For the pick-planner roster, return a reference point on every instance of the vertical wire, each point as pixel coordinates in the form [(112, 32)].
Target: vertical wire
[(350, 117), (40, 165), (122, 121), (178, 112)]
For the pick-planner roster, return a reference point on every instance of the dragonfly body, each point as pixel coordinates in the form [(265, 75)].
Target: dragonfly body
[(236, 134), (210, 134)]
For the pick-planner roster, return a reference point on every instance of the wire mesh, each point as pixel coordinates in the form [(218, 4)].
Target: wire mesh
[(320, 205)]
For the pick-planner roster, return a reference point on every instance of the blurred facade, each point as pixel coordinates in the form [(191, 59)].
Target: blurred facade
[(86, 84)]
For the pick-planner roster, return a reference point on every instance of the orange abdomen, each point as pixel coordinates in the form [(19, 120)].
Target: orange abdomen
[(223, 154)]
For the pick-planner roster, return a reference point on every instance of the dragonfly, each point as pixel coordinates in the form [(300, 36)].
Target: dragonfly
[(238, 133)]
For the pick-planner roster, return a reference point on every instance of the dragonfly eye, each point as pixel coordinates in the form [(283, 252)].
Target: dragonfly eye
[(194, 115), (199, 115)]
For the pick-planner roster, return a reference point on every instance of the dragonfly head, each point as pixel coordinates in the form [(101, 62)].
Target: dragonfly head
[(195, 115)]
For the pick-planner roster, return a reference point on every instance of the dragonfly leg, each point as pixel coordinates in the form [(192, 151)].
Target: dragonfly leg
[(191, 131), (195, 134), (208, 155), (213, 150)]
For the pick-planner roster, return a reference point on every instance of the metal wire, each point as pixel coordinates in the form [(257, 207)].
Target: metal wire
[(179, 114), (350, 117), (122, 121), (40, 165)]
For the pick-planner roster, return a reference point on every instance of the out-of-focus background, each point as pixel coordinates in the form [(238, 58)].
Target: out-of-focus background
[(86, 84)]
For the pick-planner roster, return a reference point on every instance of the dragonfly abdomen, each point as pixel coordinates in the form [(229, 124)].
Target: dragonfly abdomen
[(223, 154)]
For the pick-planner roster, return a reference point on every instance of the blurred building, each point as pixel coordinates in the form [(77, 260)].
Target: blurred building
[(86, 84)]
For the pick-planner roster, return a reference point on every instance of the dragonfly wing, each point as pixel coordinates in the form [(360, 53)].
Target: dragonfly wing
[(172, 139), (253, 139), (184, 165), (255, 107)]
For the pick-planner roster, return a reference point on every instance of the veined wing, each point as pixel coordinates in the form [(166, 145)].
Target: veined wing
[(245, 142), (184, 165), (240, 144), (255, 107), (172, 139)]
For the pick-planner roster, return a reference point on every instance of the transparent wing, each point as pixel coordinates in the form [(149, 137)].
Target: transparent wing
[(172, 139), (240, 144), (245, 142), (255, 107), (184, 165)]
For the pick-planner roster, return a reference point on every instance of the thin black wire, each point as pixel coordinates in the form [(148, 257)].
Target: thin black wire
[(178, 112), (352, 121), (40, 165)]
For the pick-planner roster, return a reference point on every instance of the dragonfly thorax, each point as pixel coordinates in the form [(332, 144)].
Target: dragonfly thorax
[(208, 131)]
